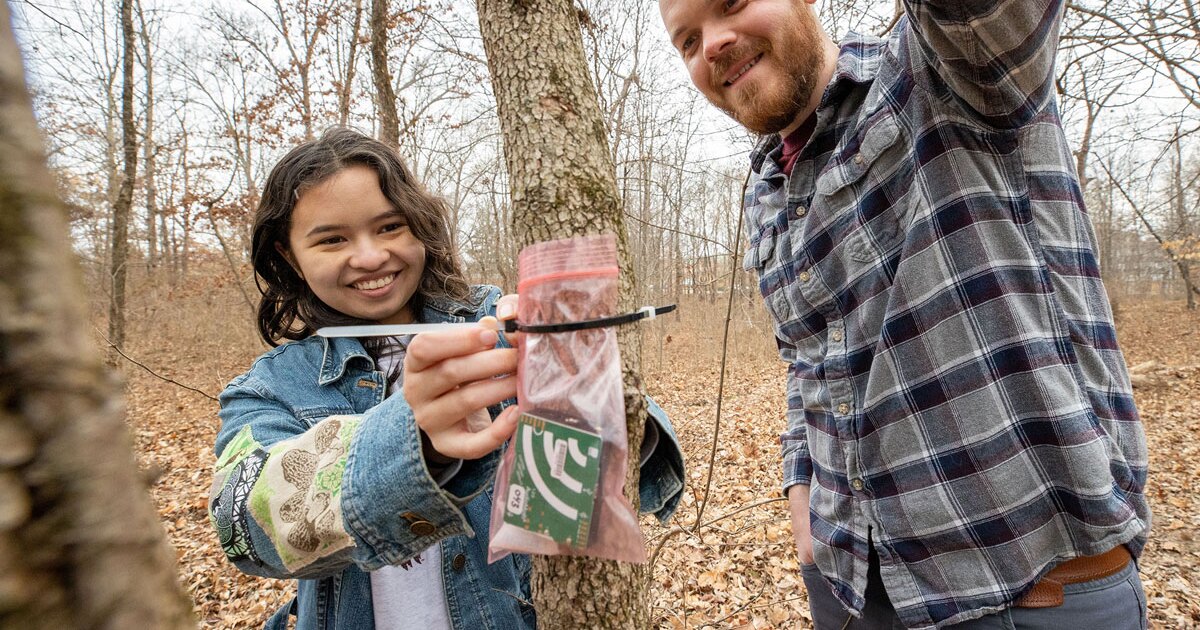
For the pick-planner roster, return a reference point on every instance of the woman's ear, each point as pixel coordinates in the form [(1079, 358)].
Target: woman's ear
[(287, 255)]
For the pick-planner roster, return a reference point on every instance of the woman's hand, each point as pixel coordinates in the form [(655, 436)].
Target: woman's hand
[(455, 375)]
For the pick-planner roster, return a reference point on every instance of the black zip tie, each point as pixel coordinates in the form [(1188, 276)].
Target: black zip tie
[(646, 312)]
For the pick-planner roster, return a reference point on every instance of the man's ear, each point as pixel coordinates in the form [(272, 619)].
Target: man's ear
[(287, 255)]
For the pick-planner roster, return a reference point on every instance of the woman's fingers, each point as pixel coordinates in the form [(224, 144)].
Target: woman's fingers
[(450, 409), (451, 375), (447, 375), (464, 444), (428, 349)]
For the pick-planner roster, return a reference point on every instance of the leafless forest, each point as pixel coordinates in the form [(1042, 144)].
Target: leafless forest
[(162, 121)]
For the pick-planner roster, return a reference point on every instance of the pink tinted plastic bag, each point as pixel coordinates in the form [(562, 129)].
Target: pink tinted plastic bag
[(559, 489)]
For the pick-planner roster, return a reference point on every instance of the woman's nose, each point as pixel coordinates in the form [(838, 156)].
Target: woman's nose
[(368, 254)]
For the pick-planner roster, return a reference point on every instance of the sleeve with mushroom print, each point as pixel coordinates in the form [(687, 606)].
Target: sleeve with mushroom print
[(291, 490), (300, 494), (299, 504)]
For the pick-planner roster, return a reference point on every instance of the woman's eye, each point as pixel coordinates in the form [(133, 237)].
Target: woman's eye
[(729, 4), (392, 227), (330, 240)]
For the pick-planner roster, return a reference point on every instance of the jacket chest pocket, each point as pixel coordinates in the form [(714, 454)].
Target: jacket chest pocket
[(870, 187)]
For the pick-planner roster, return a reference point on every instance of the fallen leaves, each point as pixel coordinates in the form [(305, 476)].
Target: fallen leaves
[(738, 569)]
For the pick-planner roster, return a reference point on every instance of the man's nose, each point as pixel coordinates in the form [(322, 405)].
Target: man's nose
[(717, 38)]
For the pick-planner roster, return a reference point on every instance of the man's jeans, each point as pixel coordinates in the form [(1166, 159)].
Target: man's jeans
[(1116, 602)]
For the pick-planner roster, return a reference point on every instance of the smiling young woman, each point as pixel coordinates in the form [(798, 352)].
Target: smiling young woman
[(356, 252)]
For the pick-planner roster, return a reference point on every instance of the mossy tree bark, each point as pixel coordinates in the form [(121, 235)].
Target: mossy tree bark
[(563, 184), (80, 542)]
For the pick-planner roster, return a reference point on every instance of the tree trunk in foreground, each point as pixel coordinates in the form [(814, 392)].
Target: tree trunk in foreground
[(80, 542), (564, 184)]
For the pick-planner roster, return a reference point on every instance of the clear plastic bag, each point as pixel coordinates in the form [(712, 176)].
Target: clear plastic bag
[(559, 489)]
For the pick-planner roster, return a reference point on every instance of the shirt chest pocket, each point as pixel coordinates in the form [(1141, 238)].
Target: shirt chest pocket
[(868, 190), (765, 259)]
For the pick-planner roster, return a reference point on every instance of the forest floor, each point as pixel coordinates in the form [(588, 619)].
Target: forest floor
[(739, 569)]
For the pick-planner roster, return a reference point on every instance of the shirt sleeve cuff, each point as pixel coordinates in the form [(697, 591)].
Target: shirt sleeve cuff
[(797, 465)]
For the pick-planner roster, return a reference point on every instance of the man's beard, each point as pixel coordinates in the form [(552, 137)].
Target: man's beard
[(766, 108)]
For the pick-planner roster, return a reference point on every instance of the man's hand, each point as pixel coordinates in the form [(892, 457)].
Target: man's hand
[(454, 375), (798, 500)]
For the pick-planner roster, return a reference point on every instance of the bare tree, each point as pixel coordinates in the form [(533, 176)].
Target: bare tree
[(80, 542), (385, 97), (345, 84), (122, 208), (149, 149), (298, 27), (563, 184)]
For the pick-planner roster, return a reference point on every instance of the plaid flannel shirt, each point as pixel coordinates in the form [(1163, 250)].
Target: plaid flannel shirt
[(955, 392)]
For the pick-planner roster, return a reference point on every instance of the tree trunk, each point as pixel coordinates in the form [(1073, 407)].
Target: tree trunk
[(385, 97), (563, 184), (148, 147), (80, 543), (1183, 230), (121, 209), (348, 76)]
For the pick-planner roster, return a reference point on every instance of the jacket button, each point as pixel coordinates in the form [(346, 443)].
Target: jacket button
[(422, 528), (459, 562)]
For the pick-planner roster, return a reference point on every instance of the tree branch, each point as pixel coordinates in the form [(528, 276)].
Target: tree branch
[(114, 347)]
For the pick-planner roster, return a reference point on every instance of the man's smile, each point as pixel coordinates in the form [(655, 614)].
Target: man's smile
[(731, 79)]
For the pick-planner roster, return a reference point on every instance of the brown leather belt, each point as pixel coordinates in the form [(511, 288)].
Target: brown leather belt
[(1048, 591)]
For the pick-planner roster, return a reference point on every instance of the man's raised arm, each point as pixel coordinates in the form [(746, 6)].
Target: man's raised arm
[(997, 56)]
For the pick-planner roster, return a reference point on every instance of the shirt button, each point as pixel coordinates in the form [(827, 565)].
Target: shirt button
[(856, 483), (801, 211), (844, 408), (858, 158), (459, 562), (422, 528), (836, 335), (804, 276)]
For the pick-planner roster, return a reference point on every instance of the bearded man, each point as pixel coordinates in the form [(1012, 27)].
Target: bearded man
[(962, 447)]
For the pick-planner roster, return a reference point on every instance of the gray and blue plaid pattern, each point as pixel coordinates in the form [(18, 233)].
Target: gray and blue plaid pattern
[(955, 390)]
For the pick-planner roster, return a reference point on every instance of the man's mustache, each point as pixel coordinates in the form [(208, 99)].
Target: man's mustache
[(739, 54)]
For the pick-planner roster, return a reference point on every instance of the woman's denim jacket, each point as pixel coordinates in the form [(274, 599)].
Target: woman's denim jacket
[(320, 476)]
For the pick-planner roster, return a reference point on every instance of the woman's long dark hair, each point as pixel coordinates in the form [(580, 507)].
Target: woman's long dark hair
[(289, 309)]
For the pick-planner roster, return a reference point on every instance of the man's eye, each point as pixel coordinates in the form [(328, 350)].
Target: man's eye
[(729, 4), (687, 44)]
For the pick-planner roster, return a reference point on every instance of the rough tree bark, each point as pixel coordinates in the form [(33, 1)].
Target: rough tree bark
[(563, 184), (385, 96), (124, 205), (80, 542)]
